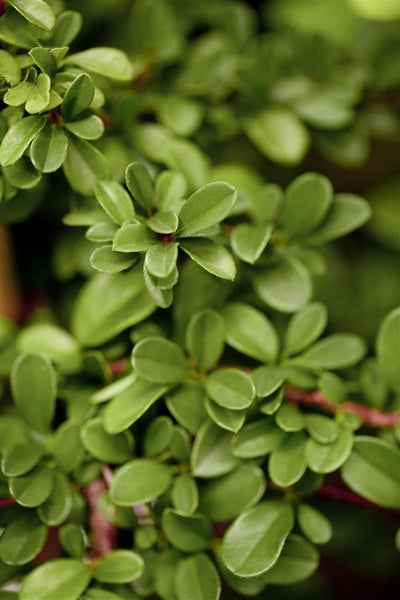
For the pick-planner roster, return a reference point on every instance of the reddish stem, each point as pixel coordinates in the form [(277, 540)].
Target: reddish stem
[(344, 495), (369, 416), (5, 502), (104, 533), (117, 366), (2, 7)]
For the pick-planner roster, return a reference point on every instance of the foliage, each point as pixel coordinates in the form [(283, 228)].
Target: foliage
[(177, 407)]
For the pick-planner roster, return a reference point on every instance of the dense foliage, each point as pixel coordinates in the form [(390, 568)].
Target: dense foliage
[(200, 372)]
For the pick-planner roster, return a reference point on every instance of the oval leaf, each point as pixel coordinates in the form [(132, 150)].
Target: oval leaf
[(139, 481), (206, 207), (58, 578)]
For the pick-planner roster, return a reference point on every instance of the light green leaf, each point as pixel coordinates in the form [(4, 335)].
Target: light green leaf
[(335, 352), (67, 27), (326, 458), (171, 188), (184, 494), (160, 361), (139, 481), (348, 212), (22, 539), (322, 429), (187, 158), (197, 578), (187, 533), (158, 436), (115, 200), (248, 241), (285, 286), (108, 62), (298, 560), (231, 420), (372, 471), (376, 10), (33, 488), (119, 566), (206, 207), (34, 388), (18, 138), (19, 458), (104, 446), (87, 128), (279, 134), (49, 149), (58, 505), (107, 260), (67, 446), (57, 578), (103, 231), (230, 388), (388, 349), (287, 463), (22, 174), (254, 542), (258, 439), (226, 497), (267, 379), (108, 304), (37, 12), (84, 166), (289, 418), (45, 60), (211, 256), (10, 70), (134, 238), (164, 221), (205, 338), (304, 327), (315, 526), (59, 345), (78, 97), (160, 259), (181, 115), (211, 453), (250, 332), (140, 184), (186, 404)]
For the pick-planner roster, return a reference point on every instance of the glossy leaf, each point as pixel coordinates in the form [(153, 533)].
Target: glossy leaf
[(326, 458), (248, 241), (289, 418), (231, 420), (20, 458), (161, 259), (140, 184), (211, 453), (115, 200), (287, 464), (170, 188), (257, 439), (206, 207), (33, 488), (348, 212), (49, 149), (186, 404), (37, 12), (305, 326), (160, 361), (58, 505), (230, 388), (321, 428), (18, 138), (205, 338), (22, 540), (9, 68), (68, 450), (84, 165), (184, 494), (58, 577), (196, 577), (298, 560), (139, 481), (315, 526), (254, 541), (109, 62), (158, 436), (134, 238), (187, 533), (54, 341), (104, 446), (335, 352), (78, 97), (119, 566), (164, 221), (90, 127), (267, 379), (211, 256)]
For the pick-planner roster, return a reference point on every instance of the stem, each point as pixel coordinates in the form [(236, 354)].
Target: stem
[(10, 299), (5, 502), (104, 533), (344, 495), (369, 416)]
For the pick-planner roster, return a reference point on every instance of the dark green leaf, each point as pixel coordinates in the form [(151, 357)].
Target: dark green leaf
[(206, 207), (298, 560), (72, 539), (158, 436), (211, 256), (68, 450), (57, 578), (78, 97), (67, 27), (104, 446), (59, 504), (49, 149), (139, 481), (119, 566), (187, 533)]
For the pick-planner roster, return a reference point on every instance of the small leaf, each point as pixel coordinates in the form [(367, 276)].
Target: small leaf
[(211, 256), (205, 338), (285, 286), (171, 188), (254, 542), (372, 471), (158, 436), (34, 387), (211, 453), (20, 458), (161, 259), (187, 533), (197, 578), (18, 138), (326, 458), (348, 212), (78, 97), (115, 200), (250, 332), (22, 539), (186, 404), (140, 184), (335, 352), (267, 380), (84, 166), (119, 566), (321, 428), (160, 361), (37, 12), (305, 326), (10, 70), (287, 463), (314, 524), (230, 388), (184, 494), (298, 560), (139, 481), (248, 241), (108, 62), (58, 505), (54, 341), (45, 60), (104, 446), (49, 149), (90, 127), (72, 540), (107, 260), (289, 418), (257, 439), (57, 578), (164, 221), (206, 207), (388, 349), (68, 450), (134, 238), (33, 488), (226, 418)]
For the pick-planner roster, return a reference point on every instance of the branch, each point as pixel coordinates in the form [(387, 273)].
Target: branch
[(104, 533), (345, 495), (10, 299), (5, 502), (369, 416)]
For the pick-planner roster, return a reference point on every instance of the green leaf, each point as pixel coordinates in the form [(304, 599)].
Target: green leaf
[(321, 428), (248, 241), (289, 418), (161, 259), (57, 578), (67, 27), (205, 338), (287, 463), (107, 260), (211, 453), (258, 439), (160, 361), (279, 134), (78, 97), (230, 388), (119, 566), (134, 238), (10, 70), (307, 201), (250, 332), (103, 231), (18, 138), (68, 450), (34, 388), (72, 539), (254, 542), (22, 539), (184, 494), (39, 95), (115, 200), (49, 149), (181, 115), (84, 166), (50, 339), (37, 12), (22, 174), (336, 351), (268, 379), (206, 207), (140, 184), (128, 406), (298, 560), (158, 436), (304, 327), (90, 127), (375, 10), (20, 458), (348, 212), (139, 481), (226, 497), (211, 256), (187, 533), (187, 158), (372, 471), (197, 578), (108, 62), (388, 349), (45, 60), (285, 286), (315, 526), (104, 446), (58, 505), (171, 188), (33, 488), (186, 404), (326, 458), (108, 304), (164, 221), (231, 420)]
